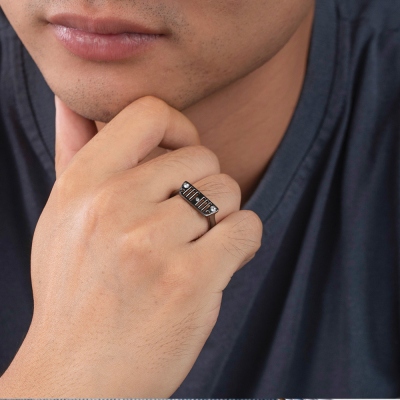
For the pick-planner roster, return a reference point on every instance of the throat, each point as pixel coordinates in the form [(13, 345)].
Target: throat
[(245, 122)]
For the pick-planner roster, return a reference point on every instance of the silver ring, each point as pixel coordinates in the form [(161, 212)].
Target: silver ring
[(198, 201)]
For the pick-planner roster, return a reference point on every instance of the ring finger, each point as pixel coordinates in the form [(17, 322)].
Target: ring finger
[(190, 224)]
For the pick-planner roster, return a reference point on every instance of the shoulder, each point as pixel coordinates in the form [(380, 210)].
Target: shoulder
[(368, 88), (369, 48), (381, 14)]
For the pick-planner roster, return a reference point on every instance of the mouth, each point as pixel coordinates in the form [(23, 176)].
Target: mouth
[(102, 39)]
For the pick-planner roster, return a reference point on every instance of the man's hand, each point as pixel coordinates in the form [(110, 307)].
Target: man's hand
[(127, 280)]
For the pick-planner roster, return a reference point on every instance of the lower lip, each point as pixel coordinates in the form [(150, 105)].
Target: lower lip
[(99, 47)]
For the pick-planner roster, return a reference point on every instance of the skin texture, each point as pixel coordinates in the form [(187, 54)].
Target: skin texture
[(113, 288), (234, 67), (120, 311), (209, 44)]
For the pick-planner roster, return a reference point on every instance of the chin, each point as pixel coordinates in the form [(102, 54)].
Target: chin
[(100, 114), (103, 106), (95, 109)]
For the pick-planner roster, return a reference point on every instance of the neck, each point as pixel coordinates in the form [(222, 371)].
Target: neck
[(244, 123)]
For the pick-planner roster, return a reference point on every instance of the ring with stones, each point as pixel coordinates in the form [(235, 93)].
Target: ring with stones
[(198, 201)]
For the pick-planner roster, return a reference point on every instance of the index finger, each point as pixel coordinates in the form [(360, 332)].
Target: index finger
[(138, 129)]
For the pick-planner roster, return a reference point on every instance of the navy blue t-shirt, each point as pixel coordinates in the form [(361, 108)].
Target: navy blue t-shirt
[(317, 312)]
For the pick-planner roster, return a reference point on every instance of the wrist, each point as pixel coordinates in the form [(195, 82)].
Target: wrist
[(44, 368)]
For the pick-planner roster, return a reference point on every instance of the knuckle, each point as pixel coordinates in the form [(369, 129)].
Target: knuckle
[(149, 234), (62, 184), (138, 243), (178, 159), (140, 249), (247, 233), (202, 153), (207, 156), (193, 158), (252, 221), (101, 202), (221, 185), (227, 182), (152, 105), (65, 187)]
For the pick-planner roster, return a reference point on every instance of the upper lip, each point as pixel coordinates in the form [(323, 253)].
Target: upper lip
[(104, 26)]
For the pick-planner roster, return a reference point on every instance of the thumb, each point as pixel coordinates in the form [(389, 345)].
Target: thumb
[(72, 133)]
